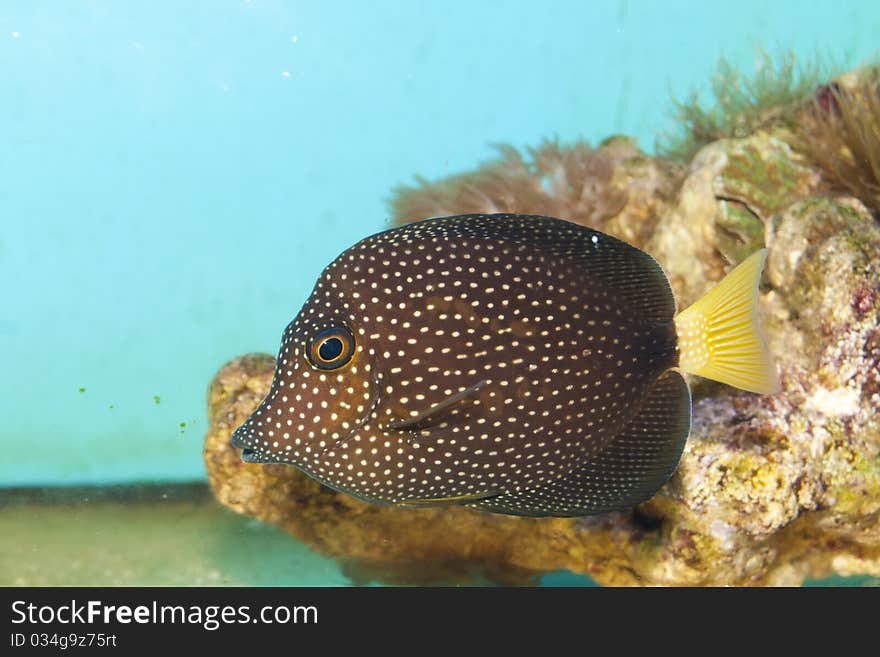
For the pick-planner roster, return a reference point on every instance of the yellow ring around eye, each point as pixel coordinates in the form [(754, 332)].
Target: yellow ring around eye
[(331, 348), (338, 352)]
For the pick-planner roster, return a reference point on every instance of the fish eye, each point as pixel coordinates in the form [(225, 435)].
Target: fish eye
[(331, 348)]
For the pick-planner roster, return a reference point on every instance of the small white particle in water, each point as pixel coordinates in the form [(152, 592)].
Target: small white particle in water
[(285, 74), (294, 38), (15, 35)]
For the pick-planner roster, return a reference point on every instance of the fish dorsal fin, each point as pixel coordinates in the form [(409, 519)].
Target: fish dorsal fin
[(435, 413), (627, 471), (632, 279)]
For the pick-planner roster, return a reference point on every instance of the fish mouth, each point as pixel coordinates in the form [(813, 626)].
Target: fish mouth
[(238, 442), (249, 455), (241, 440)]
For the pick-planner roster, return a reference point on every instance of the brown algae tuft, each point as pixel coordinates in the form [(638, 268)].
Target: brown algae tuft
[(840, 132), (576, 180)]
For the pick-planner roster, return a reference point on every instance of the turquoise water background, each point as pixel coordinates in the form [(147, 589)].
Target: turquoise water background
[(174, 176)]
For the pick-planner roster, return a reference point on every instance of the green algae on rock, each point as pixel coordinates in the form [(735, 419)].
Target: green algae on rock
[(743, 103), (770, 489)]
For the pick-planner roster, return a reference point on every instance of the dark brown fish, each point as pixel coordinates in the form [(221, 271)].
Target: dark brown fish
[(518, 364)]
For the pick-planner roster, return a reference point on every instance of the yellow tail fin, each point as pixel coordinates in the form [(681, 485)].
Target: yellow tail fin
[(718, 336)]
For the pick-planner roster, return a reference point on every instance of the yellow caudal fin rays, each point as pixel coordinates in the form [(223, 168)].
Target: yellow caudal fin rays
[(719, 337)]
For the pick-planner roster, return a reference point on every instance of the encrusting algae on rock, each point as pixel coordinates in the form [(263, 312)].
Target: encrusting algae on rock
[(770, 489)]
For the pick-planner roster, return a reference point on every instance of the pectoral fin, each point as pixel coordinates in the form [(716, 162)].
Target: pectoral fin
[(437, 412)]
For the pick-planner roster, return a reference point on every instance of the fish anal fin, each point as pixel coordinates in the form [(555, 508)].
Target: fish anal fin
[(625, 472), (448, 501)]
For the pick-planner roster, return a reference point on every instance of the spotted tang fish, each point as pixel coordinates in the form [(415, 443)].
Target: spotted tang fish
[(517, 364)]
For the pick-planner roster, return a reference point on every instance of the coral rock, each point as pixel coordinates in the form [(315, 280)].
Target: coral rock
[(770, 489)]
